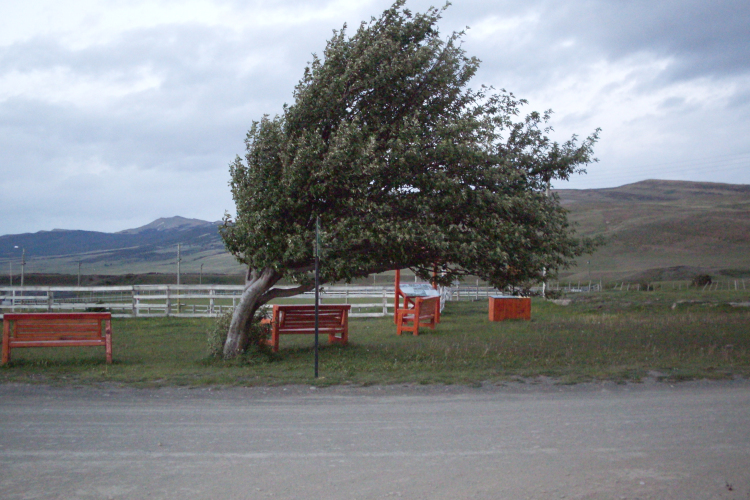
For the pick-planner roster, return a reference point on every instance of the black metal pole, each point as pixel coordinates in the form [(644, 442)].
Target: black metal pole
[(317, 286)]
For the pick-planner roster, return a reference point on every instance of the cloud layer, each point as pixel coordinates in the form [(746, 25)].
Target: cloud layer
[(113, 114)]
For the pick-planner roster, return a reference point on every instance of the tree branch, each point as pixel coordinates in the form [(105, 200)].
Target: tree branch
[(277, 293)]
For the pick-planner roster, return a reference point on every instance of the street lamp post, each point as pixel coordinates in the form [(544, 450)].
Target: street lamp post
[(23, 265)]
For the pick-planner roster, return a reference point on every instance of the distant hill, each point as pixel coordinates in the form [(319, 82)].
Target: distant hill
[(150, 248), (169, 223), (663, 229), (654, 230)]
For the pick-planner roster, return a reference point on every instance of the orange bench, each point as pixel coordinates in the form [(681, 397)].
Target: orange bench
[(56, 330), (333, 320), (425, 313)]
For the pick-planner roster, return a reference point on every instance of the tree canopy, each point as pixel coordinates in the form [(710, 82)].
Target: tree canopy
[(406, 166)]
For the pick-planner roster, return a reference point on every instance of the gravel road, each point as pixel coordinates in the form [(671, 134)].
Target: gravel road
[(541, 441)]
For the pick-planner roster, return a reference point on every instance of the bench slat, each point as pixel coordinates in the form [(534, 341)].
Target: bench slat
[(57, 343), (85, 330), (48, 336)]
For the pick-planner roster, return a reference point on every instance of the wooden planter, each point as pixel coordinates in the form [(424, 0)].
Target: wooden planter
[(502, 308)]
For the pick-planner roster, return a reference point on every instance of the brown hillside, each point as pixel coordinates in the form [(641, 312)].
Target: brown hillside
[(663, 224)]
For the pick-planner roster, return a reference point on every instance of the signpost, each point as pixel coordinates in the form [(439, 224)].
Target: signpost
[(317, 287), (407, 291)]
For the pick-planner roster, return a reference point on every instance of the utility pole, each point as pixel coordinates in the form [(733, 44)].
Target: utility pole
[(23, 264), (79, 273), (10, 271), (200, 280), (179, 259)]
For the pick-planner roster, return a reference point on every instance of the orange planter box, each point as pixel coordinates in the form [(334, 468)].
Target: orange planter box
[(502, 308)]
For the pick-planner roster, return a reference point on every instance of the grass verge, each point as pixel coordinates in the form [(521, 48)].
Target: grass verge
[(621, 336)]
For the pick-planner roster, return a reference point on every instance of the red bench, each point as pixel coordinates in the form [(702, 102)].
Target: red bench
[(333, 320), (56, 330), (425, 313)]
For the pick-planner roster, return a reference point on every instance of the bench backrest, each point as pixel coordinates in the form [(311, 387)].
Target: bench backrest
[(55, 326), (427, 306), (291, 317)]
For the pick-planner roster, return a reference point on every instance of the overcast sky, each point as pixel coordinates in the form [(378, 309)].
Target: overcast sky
[(114, 113)]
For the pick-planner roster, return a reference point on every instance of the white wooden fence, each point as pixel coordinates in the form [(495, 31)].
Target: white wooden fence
[(198, 300)]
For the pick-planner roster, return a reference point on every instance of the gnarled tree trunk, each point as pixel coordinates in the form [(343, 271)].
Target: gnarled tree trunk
[(258, 291)]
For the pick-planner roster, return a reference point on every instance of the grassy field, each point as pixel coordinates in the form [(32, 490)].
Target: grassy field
[(614, 335)]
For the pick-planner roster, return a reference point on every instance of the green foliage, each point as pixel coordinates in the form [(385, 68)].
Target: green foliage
[(405, 165), (217, 335)]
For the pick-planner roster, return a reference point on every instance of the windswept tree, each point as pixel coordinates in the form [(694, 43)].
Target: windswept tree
[(406, 166)]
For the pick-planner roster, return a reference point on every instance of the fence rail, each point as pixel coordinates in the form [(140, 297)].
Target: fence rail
[(213, 300), (196, 300)]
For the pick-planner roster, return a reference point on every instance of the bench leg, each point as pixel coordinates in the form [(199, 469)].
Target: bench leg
[(108, 341), (6, 341), (401, 322), (275, 339)]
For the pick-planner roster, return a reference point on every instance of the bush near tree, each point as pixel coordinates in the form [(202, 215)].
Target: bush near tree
[(701, 280), (406, 167)]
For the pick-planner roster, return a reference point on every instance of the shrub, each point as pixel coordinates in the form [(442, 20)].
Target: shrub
[(701, 280), (217, 336)]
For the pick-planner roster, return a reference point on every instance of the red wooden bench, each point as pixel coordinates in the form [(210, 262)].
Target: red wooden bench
[(425, 313), (333, 320), (56, 330)]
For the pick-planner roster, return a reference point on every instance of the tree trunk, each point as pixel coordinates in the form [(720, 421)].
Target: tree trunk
[(258, 291), (256, 286)]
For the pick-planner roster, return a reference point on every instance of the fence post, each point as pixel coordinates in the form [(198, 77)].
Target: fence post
[(135, 303), (50, 298), (169, 303), (385, 304)]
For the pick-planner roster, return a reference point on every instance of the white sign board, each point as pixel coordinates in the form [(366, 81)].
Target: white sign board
[(418, 290)]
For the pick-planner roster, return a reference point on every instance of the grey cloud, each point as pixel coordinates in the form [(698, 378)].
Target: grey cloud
[(702, 37), (172, 143)]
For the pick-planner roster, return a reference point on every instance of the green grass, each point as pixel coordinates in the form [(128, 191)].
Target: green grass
[(607, 336)]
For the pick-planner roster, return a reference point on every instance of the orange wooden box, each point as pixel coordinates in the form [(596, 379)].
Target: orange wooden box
[(502, 308)]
